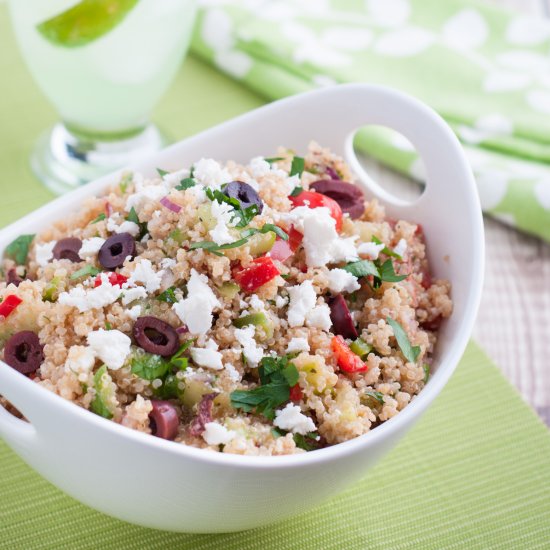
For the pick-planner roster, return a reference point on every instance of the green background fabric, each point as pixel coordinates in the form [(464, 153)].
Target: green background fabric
[(485, 70), (474, 473)]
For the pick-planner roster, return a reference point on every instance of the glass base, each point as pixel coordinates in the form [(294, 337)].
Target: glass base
[(64, 160)]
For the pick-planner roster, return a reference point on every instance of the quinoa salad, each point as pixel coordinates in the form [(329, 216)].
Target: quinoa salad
[(259, 309)]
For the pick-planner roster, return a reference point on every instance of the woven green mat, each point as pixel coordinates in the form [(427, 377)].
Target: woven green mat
[(475, 473)]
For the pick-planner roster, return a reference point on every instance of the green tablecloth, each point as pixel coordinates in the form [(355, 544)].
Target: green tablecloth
[(475, 473)]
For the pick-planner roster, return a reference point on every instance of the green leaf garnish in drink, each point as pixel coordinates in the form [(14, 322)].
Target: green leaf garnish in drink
[(85, 22)]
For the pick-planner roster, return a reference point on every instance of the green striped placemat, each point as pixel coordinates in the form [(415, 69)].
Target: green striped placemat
[(475, 473)]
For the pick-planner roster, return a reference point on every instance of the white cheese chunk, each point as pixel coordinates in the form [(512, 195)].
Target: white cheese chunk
[(302, 301), (319, 317), (134, 312), (80, 360), (44, 253), (210, 173), (340, 280), (216, 434), (297, 345), (208, 358), (220, 234), (146, 191), (401, 248), (370, 250), (92, 298), (252, 352), (90, 247), (293, 420), (232, 372), (130, 295), (145, 274), (196, 310), (111, 346)]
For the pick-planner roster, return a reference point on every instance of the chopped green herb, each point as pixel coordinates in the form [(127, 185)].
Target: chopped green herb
[(276, 433), (50, 292), (426, 369), (285, 276), (387, 251), (388, 274), (162, 172), (125, 181), (271, 160), (177, 360), (410, 352), (192, 171), (215, 248), (168, 296), (18, 250), (133, 217), (244, 215), (376, 395), (297, 166), (108, 326), (296, 191), (266, 228), (100, 218), (186, 183), (87, 270), (362, 268), (177, 236), (170, 388), (277, 376), (308, 442), (149, 366)]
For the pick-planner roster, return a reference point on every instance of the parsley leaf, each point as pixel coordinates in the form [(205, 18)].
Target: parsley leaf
[(362, 268), (177, 360), (388, 274), (85, 271), (162, 172), (271, 160), (277, 376), (376, 395), (100, 218), (133, 217), (186, 183), (297, 166), (410, 352), (125, 181), (308, 442), (149, 366), (168, 296), (296, 191), (244, 215), (18, 250), (387, 251), (426, 369), (215, 248)]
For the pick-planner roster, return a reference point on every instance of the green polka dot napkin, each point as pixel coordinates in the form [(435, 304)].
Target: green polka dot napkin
[(486, 71)]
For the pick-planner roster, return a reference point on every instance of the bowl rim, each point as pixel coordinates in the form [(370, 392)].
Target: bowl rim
[(418, 404)]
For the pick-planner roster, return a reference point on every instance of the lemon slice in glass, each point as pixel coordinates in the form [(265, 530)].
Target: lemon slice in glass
[(85, 22)]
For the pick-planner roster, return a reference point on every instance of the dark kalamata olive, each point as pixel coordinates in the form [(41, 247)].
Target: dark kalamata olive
[(342, 322), (24, 352), (67, 249), (116, 249), (204, 414), (164, 419), (12, 278), (348, 196), (244, 193), (155, 336)]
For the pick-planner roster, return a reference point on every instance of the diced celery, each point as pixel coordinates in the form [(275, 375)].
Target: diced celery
[(229, 290), (103, 401), (261, 243), (258, 319), (361, 348)]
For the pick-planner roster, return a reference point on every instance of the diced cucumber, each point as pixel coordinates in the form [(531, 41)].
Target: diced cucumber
[(361, 348), (103, 403), (194, 392), (50, 293), (206, 217), (258, 319), (261, 243), (229, 290)]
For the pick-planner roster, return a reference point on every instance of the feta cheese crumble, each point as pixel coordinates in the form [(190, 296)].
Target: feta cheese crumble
[(208, 357), (125, 227), (401, 248), (319, 317), (111, 346), (340, 280), (321, 242), (44, 253), (297, 345), (370, 250), (210, 173), (293, 420), (302, 301), (223, 214), (252, 352), (145, 274), (196, 310), (80, 361), (92, 298), (216, 434), (146, 191), (90, 247)]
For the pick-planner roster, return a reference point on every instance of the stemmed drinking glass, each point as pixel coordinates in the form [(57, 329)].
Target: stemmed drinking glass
[(103, 64)]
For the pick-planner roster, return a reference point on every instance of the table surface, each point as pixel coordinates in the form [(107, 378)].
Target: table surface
[(514, 317)]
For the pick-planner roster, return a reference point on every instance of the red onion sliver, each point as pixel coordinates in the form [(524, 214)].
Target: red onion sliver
[(167, 203), (108, 209), (182, 330), (332, 173)]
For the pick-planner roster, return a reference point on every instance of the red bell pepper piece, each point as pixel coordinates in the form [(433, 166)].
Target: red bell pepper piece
[(311, 199), (296, 393), (114, 279), (9, 303), (295, 238), (345, 358), (258, 273)]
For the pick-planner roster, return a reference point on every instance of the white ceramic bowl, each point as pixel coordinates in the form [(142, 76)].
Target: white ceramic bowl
[(161, 484)]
